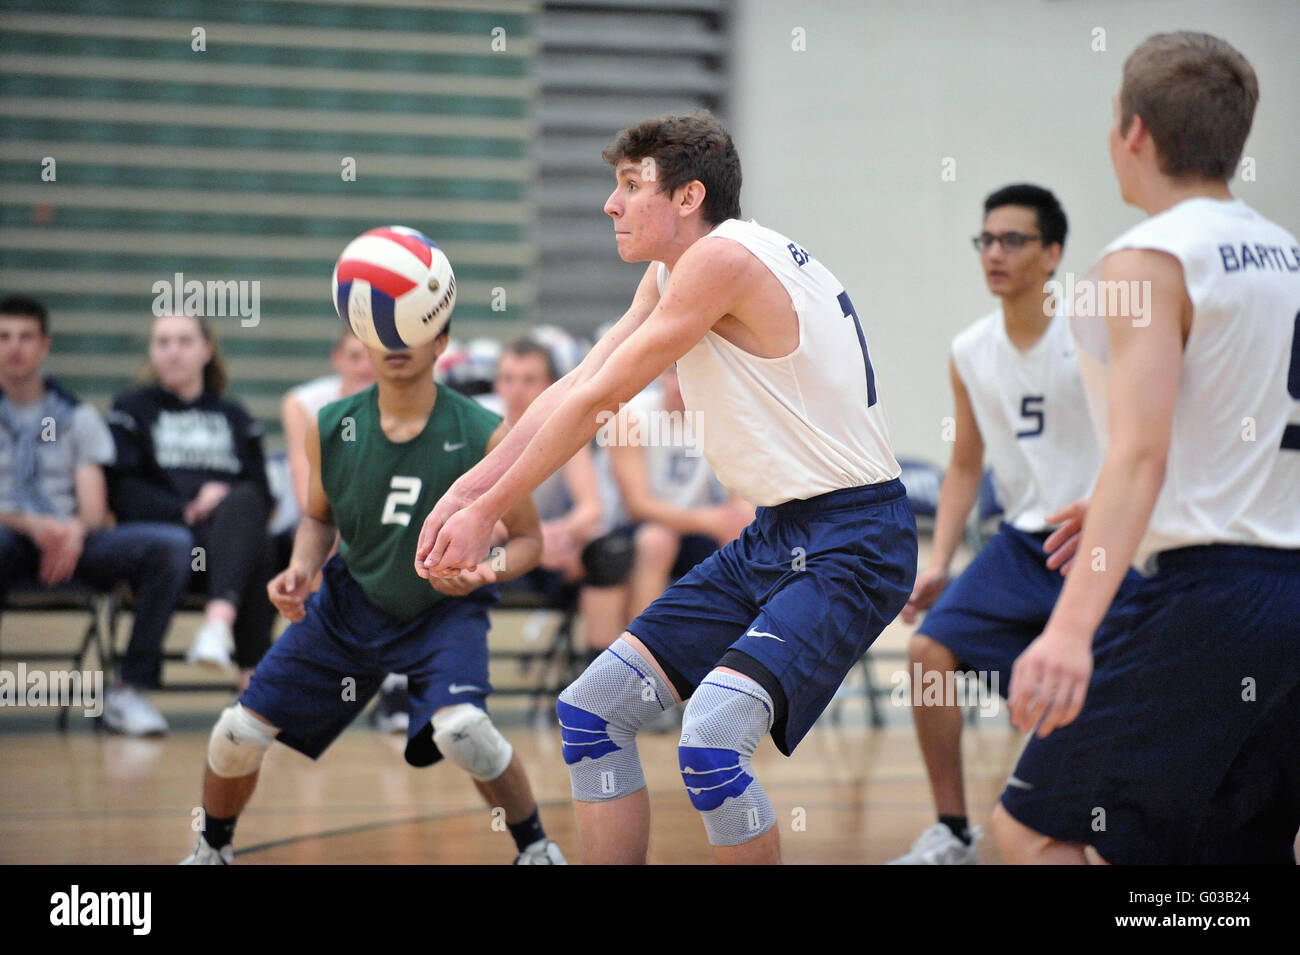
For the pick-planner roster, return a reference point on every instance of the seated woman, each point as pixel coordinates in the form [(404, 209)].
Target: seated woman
[(188, 456)]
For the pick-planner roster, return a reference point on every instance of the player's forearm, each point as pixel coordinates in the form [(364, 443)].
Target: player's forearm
[(312, 544), (482, 476), (521, 554), (956, 497), (570, 426), (1118, 514)]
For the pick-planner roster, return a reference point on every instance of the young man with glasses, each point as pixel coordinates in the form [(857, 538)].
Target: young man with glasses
[(1018, 397)]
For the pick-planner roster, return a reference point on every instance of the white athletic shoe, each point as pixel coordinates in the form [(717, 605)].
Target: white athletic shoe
[(541, 852), (391, 712), (938, 846), (204, 854), (128, 712), (212, 646)]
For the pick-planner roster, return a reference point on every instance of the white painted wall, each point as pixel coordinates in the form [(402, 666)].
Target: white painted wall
[(842, 146)]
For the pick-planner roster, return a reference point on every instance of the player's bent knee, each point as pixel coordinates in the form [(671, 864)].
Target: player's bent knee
[(930, 653), (466, 736), (238, 743), (600, 714), (1016, 841), (722, 725)]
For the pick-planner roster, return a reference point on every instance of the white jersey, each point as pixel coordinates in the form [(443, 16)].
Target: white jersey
[(1032, 415), (677, 471), (317, 393), (1233, 470), (807, 423)]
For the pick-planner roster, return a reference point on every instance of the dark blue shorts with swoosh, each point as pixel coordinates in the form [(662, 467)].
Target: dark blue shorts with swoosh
[(802, 592), (323, 670)]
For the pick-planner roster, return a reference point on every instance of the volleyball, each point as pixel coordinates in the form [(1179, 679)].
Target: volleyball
[(394, 288)]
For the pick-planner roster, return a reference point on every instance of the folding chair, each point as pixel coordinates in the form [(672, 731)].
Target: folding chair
[(64, 598)]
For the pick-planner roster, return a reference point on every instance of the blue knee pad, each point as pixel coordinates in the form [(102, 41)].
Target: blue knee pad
[(722, 725), (600, 713)]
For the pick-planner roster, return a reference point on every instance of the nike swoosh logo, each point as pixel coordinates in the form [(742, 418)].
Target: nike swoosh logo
[(448, 446), (1019, 783), (464, 688), (760, 633)]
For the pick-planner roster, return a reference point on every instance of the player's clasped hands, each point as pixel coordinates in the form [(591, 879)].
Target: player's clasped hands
[(464, 581), (289, 590), (454, 539)]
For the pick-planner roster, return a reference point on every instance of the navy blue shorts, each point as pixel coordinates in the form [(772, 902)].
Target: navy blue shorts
[(300, 684), (803, 592), (1186, 749), (999, 604)]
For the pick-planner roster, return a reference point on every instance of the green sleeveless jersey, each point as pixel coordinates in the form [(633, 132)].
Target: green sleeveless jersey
[(381, 491)]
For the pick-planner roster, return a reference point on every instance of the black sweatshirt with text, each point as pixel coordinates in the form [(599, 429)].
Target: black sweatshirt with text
[(168, 448)]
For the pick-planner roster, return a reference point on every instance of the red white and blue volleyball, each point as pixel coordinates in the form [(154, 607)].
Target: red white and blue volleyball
[(394, 288)]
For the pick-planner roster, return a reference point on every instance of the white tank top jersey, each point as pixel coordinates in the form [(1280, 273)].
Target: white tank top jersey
[(317, 393), (794, 427), (1233, 470), (1032, 415)]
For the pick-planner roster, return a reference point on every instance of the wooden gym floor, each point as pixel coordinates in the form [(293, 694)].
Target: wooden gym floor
[(850, 794), (85, 798)]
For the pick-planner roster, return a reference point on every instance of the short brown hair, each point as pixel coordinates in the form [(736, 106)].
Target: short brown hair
[(523, 347), (685, 148), (1197, 96)]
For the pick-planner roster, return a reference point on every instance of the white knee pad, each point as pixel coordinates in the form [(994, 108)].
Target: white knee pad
[(722, 724), (238, 743), (466, 736), (600, 713)]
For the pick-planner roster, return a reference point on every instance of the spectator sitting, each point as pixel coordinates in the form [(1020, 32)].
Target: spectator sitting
[(187, 456), (568, 502), (54, 519)]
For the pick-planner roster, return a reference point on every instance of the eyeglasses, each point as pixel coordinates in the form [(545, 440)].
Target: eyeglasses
[(1011, 241)]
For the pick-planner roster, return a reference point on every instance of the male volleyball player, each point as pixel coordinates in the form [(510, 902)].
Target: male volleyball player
[(376, 458), (1183, 747), (771, 354), (1017, 394)]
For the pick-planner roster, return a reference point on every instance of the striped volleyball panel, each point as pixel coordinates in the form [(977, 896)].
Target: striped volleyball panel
[(149, 144), (387, 263)]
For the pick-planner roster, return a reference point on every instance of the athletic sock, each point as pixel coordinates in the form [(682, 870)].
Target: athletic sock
[(527, 832), (958, 826), (218, 833)]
